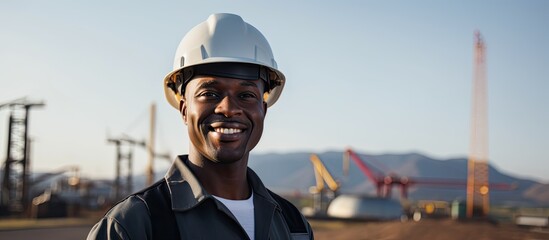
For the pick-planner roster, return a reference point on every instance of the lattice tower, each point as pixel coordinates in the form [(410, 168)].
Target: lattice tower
[(477, 179)]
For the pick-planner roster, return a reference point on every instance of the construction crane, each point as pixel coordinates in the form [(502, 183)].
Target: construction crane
[(319, 191), (384, 183)]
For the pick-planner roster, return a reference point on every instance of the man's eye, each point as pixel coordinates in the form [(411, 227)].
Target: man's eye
[(248, 95), (208, 94)]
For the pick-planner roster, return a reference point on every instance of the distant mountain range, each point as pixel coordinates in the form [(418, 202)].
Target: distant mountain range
[(293, 172)]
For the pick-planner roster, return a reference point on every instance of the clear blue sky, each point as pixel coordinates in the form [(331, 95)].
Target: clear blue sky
[(382, 77)]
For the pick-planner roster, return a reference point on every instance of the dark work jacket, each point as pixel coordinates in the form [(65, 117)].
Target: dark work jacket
[(198, 215)]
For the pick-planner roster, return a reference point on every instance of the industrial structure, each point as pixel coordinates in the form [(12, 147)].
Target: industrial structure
[(360, 207), (477, 173), (327, 203), (18, 192), (123, 182), (150, 146), (14, 198), (124, 152), (321, 195), (384, 182)]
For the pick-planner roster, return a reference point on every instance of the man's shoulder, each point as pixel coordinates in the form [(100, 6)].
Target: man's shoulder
[(136, 204), (130, 207), (128, 219)]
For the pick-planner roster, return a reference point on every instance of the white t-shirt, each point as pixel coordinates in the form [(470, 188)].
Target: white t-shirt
[(243, 210)]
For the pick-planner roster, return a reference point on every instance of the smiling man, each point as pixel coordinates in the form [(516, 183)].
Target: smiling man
[(224, 79)]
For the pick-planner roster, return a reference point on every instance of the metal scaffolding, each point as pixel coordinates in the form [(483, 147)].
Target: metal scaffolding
[(15, 179)]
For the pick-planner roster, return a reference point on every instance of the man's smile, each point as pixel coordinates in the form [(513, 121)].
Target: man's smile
[(228, 130)]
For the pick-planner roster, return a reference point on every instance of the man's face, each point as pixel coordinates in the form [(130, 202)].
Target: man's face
[(224, 116)]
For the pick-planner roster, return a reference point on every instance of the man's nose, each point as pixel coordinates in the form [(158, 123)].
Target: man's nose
[(228, 107)]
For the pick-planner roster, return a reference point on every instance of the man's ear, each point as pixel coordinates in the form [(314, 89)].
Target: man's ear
[(265, 108), (183, 110)]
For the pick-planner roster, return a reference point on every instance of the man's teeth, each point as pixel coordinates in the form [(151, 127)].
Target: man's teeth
[(228, 130)]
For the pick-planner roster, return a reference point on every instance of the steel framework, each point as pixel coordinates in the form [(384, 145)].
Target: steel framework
[(15, 179), (122, 188), (478, 202)]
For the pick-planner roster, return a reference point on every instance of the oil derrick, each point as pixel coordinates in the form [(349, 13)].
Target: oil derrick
[(477, 167), (124, 152), (15, 179)]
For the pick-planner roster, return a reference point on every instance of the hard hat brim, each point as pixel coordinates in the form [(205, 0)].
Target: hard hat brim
[(174, 98)]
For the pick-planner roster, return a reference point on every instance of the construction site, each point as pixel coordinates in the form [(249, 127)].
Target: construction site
[(65, 205)]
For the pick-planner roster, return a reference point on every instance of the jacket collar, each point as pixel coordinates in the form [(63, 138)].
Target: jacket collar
[(187, 192)]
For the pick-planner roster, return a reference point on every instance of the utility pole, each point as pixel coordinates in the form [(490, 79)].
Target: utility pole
[(152, 154), (477, 167), (121, 189), (150, 146), (15, 182)]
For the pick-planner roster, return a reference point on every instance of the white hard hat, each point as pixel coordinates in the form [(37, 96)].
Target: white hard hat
[(223, 39)]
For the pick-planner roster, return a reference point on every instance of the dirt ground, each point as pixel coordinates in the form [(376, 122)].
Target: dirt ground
[(431, 229)]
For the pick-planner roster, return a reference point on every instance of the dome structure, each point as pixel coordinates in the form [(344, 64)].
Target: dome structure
[(364, 208)]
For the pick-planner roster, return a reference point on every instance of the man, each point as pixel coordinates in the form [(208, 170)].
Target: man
[(224, 79)]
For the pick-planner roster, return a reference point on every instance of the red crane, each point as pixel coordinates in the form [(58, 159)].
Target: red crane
[(384, 183)]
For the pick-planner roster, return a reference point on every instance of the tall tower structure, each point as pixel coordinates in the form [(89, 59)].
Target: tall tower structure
[(477, 166), (14, 197)]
